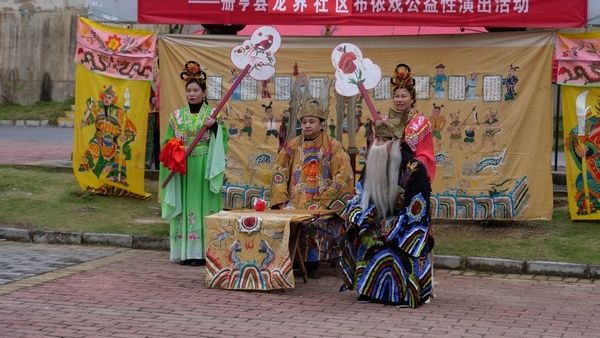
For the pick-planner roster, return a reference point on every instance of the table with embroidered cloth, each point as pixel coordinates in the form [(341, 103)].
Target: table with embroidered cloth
[(250, 250)]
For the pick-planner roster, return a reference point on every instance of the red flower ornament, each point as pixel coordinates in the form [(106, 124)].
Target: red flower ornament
[(346, 63)]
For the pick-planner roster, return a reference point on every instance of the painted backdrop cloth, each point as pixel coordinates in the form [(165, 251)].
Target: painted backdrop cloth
[(109, 138), (578, 58), (114, 51), (581, 124), (188, 198), (495, 139), (248, 250)]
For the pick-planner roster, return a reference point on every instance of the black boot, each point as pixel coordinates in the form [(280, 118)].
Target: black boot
[(312, 270), (197, 262), (363, 299)]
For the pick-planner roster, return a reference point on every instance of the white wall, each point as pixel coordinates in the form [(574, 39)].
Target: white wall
[(38, 37), (41, 5), (594, 12)]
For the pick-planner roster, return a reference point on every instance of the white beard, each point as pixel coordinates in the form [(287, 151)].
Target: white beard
[(381, 178)]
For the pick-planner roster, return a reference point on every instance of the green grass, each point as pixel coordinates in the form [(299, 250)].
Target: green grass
[(50, 200), (557, 240), (42, 199), (50, 111)]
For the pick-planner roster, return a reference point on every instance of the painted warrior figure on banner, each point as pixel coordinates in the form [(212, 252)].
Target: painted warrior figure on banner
[(510, 81), (388, 230), (195, 191), (439, 82), (492, 127), (471, 88), (438, 121), (283, 128), (247, 121), (583, 144), (270, 122), (312, 171), (110, 148)]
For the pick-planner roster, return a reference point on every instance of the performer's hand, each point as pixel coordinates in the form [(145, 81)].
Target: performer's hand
[(209, 122)]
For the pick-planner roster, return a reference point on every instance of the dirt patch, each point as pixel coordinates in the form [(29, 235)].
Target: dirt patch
[(154, 220)]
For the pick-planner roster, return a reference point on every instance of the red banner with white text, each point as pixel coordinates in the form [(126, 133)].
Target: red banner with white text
[(468, 13)]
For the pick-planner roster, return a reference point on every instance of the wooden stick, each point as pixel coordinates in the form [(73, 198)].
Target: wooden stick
[(213, 115), (365, 95)]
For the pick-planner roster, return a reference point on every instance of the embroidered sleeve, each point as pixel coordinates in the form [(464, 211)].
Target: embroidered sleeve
[(417, 129), (176, 123), (281, 175), (412, 232), (342, 179), (418, 136)]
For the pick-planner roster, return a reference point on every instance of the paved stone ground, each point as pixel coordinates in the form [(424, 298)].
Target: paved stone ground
[(36, 146), (22, 260), (136, 293)]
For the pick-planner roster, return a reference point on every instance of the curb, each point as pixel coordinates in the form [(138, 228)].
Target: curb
[(511, 266), (495, 265), (26, 123), (83, 238)]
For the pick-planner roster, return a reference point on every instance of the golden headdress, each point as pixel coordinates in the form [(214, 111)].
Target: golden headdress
[(402, 78), (192, 71), (390, 128), (312, 108)]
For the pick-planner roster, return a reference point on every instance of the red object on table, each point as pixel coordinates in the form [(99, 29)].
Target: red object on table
[(260, 204)]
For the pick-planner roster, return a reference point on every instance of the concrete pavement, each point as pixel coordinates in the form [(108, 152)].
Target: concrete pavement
[(137, 293), (26, 260), (36, 145)]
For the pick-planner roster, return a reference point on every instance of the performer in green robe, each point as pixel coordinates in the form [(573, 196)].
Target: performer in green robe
[(195, 191)]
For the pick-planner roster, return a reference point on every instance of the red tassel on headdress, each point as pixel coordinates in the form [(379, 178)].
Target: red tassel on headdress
[(173, 156)]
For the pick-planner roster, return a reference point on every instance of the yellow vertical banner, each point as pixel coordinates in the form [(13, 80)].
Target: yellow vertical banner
[(114, 68), (581, 125), (110, 133)]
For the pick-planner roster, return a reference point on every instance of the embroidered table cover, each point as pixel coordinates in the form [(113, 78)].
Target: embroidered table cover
[(249, 250)]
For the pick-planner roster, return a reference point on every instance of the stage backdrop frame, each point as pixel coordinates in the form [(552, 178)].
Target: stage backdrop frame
[(494, 154)]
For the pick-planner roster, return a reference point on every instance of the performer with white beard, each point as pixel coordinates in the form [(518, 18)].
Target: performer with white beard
[(388, 239)]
